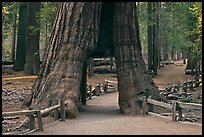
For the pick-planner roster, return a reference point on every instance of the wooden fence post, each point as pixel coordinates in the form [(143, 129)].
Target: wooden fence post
[(40, 123), (180, 111), (144, 106), (97, 89), (173, 110), (150, 106), (90, 93), (31, 120), (106, 87), (185, 86), (191, 85), (62, 110), (100, 88), (56, 114), (180, 114)]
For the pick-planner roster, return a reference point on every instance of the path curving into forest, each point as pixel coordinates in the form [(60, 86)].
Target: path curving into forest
[(101, 116)]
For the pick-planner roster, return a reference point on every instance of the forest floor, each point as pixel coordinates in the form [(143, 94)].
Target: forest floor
[(101, 114)]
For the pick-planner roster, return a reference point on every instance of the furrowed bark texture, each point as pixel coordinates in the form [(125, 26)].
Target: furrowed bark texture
[(133, 80), (74, 36)]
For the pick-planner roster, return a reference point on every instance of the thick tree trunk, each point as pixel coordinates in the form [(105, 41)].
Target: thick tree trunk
[(133, 80), (32, 65), (73, 39)]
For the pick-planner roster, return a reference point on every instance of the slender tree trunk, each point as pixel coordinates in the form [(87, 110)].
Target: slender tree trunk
[(172, 52), (149, 36), (159, 33), (22, 36), (14, 35), (133, 79), (165, 50), (91, 67), (73, 39), (83, 84), (173, 24), (32, 65), (155, 37), (164, 45), (46, 35)]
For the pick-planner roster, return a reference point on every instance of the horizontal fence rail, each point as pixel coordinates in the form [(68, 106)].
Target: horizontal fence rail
[(15, 113), (189, 105), (159, 103)]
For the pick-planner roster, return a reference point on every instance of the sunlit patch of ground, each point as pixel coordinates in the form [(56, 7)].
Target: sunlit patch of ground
[(23, 77)]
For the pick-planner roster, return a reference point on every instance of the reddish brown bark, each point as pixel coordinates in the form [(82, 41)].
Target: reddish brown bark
[(133, 79), (73, 38)]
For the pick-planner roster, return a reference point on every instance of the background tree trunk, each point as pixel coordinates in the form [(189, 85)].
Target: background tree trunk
[(32, 65), (14, 34), (73, 39), (150, 38), (133, 80), (83, 87), (155, 37), (165, 50), (191, 62), (22, 36)]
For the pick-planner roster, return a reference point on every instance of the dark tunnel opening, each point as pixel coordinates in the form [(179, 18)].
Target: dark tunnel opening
[(105, 39)]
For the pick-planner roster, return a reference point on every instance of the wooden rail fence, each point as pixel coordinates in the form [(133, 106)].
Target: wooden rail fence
[(110, 86), (185, 85), (102, 88), (175, 106), (32, 114)]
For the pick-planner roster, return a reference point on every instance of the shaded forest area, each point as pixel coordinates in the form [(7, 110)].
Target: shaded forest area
[(168, 31)]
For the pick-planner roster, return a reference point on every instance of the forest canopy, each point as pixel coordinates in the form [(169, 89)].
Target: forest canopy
[(180, 26)]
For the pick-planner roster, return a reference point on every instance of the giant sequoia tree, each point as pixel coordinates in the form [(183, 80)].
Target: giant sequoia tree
[(74, 39)]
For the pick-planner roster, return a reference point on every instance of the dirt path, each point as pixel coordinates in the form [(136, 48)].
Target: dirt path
[(101, 115), (171, 73)]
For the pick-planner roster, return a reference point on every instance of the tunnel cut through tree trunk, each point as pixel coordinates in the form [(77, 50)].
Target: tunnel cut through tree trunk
[(74, 39)]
